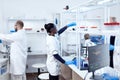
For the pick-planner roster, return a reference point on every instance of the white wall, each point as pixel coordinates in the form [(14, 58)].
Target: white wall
[(31, 8), (114, 11), (1, 17)]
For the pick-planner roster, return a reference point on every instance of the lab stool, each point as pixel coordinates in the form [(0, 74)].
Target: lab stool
[(39, 66), (44, 76)]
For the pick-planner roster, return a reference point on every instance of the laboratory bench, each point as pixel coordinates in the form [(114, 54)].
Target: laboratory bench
[(71, 72)]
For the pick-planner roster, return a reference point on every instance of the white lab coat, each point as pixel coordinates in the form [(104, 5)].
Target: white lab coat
[(116, 55), (18, 51), (89, 43), (116, 58), (52, 48)]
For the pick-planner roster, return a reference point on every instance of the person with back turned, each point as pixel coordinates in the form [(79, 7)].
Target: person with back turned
[(18, 51)]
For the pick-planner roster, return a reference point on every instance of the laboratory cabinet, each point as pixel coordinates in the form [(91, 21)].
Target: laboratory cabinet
[(4, 61), (75, 76), (65, 69), (71, 75)]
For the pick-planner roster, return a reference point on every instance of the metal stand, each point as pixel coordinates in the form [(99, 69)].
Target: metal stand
[(96, 77), (39, 73)]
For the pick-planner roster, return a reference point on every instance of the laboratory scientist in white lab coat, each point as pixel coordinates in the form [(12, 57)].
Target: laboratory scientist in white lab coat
[(18, 51), (53, 50)]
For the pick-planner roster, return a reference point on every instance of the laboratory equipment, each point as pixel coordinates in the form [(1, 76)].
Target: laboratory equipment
[(98, 57), (95, 39), (4, 64)]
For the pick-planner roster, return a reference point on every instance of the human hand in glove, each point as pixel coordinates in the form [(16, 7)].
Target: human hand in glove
[(68, 62), (71, 24)]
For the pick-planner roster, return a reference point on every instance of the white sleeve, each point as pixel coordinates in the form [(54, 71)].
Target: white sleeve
[(53, 46), (9, 37)]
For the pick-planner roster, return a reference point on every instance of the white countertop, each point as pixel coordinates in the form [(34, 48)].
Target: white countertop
[(82, 73), (69, 58)]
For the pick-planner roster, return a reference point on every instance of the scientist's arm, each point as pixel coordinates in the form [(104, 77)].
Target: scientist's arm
[(9, 37), (5, 38), (57, 56), (62, 30), (55, 50)]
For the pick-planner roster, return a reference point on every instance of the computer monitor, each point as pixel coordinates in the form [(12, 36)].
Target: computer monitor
[(98, 57)]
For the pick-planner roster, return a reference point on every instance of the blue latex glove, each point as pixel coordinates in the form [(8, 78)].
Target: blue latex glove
[(12, 31), (69, 62), (0, 41), (74, 61), (71, 24), (111, 47)]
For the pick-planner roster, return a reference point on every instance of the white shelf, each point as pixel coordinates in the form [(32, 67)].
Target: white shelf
[(36, 32), (26, 19), (36, 53), (86, 19), (92, 19)]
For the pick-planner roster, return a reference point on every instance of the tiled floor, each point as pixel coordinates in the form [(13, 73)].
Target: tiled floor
[(33, 76)]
